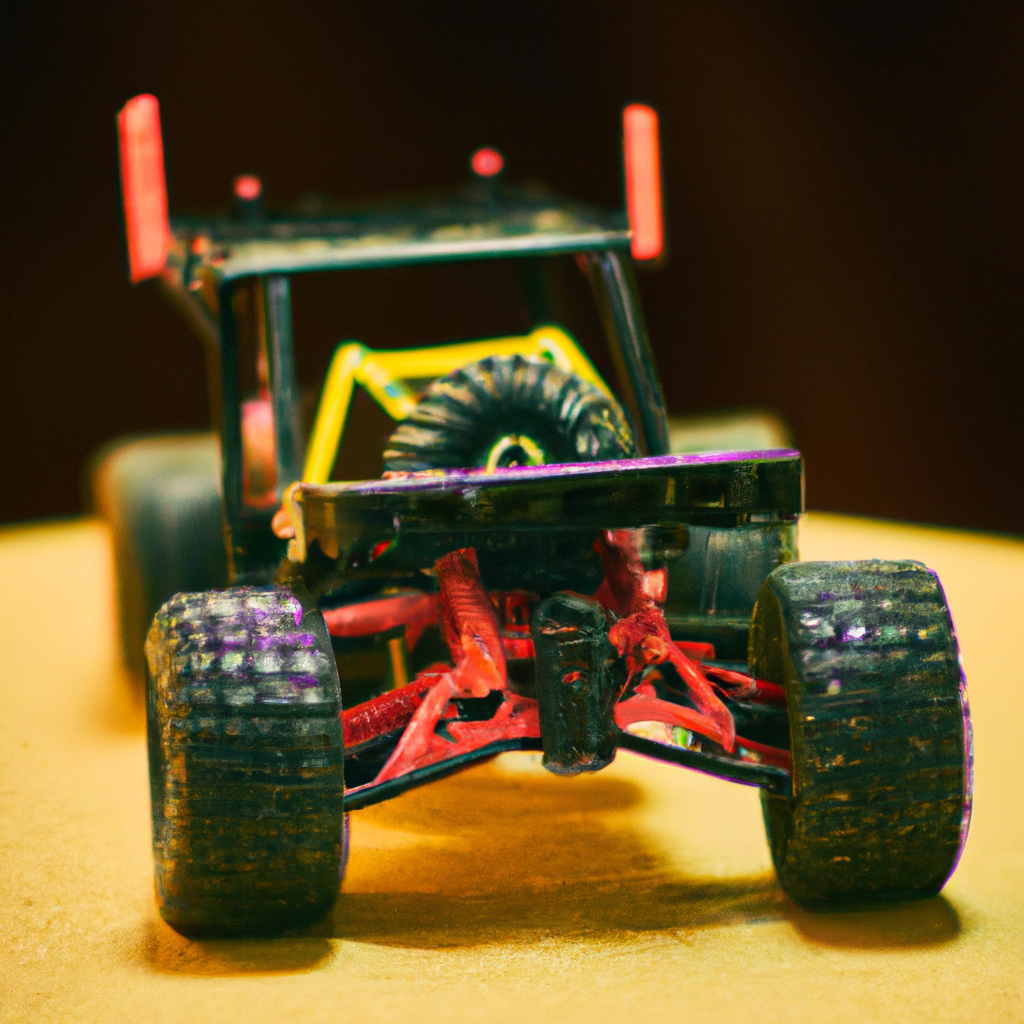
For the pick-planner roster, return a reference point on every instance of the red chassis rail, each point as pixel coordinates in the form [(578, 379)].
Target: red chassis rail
[(427, 721)]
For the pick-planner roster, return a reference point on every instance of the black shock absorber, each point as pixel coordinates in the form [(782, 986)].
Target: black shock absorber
[(578, 681)]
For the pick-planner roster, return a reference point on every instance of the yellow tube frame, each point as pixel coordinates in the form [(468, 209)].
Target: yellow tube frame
[(382, 375)]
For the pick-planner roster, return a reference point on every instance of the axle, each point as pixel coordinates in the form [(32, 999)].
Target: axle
[(602, 665)]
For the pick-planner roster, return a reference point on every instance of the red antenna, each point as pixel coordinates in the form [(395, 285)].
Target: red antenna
[(144, 187), (641, 152)]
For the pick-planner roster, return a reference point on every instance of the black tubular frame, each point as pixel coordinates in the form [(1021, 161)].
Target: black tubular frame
[(253, 552), (774, 780)]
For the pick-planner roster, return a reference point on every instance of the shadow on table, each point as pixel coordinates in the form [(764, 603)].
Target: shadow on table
[(885, 926), (499, 856), (164, 950), (494, 856)]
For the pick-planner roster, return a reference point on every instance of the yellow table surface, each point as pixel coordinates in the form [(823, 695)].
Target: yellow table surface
[(642, 893)]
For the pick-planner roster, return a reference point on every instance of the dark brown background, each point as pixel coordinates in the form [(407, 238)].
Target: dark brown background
[(844, 186)]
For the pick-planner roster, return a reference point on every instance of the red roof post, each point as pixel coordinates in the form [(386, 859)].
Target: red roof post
[(642, 158), (143, 187)]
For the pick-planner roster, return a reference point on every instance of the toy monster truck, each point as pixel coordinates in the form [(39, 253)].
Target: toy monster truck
[(532, 572)]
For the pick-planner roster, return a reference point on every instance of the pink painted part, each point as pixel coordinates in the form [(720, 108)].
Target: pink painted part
[(644, 708), (606, 596), (516, 718), (248, 187), (487, 162), (774, 756), (697, 650), (642, 157), (470, 627), (415, 611), (518, 648), (479, 649), (379, 549), (656, 585), (744, 687), (389, 711), (144, 187), (515, 607), (470, 624), (259, 465), (415, 740), (642, 635)]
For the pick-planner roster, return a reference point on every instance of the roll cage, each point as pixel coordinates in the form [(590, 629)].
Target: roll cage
[(203, 263)]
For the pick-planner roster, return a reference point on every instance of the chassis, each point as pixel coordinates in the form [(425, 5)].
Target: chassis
[(643, 601)]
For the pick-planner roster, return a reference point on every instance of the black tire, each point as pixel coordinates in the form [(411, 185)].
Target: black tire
[(507, 411), (879, 730), (161, 498), (246, 762)]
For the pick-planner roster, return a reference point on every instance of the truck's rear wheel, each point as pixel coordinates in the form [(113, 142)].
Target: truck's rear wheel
[(161, 498), (509, 411), (246, 762), (879, 730)]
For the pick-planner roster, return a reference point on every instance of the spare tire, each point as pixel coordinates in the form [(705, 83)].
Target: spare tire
[(509, 411)]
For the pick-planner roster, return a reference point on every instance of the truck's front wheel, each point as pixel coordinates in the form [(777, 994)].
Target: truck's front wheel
[(246, 762), (878, 726)]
